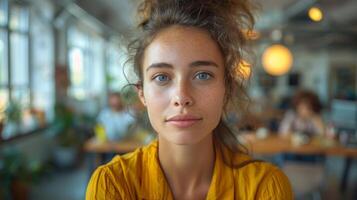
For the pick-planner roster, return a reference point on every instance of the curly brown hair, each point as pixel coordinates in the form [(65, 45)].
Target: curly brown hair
[(227, 22), (308, 97)]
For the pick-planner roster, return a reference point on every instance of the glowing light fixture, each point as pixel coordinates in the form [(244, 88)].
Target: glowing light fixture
[(251, 34), (277, 60), (315, 14), (244, 69)]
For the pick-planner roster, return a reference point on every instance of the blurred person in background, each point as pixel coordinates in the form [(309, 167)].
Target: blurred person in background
[(303, 122), (114, 118), (305, 117)]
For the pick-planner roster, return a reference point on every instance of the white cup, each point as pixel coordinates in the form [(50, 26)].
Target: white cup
[(262, 133)]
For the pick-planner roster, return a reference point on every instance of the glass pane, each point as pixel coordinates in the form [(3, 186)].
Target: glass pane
[(3, 58), (9, 129), (3, 12), (21, 96), (76, 63), (76, 66), (19, 18), (76, 37), (116, 59), (17, 105), (43, 95), (86, 63), (97, 77), (19, 59), (4, 98)]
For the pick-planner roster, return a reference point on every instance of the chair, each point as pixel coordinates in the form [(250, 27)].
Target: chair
[(307, 179)]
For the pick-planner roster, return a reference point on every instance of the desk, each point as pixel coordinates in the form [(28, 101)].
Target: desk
[(275, 144), (98, 150), (121, 147)]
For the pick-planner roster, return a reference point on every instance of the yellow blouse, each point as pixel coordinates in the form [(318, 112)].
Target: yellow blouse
[(138, 175)]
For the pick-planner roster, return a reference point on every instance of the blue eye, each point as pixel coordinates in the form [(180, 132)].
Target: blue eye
[(161, 78), (203, 76)]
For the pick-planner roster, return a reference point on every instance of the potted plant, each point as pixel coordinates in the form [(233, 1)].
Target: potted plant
[(13, 117), (67, 141), (17, 173)]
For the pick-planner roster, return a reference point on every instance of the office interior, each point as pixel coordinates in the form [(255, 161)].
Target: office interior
[(61, 60)]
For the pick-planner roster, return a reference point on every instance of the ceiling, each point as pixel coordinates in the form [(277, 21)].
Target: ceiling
[(118, 14), (338, 29)]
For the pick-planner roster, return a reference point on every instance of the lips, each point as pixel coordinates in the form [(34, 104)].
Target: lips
[(183, 121)]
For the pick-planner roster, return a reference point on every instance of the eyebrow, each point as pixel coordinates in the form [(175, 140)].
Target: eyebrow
[(193, 64), (159, 65), (203, 63)]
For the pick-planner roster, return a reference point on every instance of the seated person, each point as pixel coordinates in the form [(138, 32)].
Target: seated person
[(305, 117), (115, 118)]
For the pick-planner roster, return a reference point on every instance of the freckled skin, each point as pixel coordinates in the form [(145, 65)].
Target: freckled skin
[(181, 88)]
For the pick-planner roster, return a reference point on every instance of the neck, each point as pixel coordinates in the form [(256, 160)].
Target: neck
[(187, 167)]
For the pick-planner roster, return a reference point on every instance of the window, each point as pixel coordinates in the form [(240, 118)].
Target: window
[(3, 12), (25, 86), (77, 72), (3, 58), (86, 64), (116, 58), (19, 18), (15, 80), (42, 67), (4, 98)]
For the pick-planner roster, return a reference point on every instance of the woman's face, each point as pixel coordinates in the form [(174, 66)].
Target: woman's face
[(183, 84), (304, 110), (115, 102)]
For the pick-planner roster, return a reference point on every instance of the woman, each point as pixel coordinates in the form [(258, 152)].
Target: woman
[(185, 61), (305, 117), (306, 122)]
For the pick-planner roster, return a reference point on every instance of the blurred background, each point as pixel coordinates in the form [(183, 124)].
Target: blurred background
[(64, 107)]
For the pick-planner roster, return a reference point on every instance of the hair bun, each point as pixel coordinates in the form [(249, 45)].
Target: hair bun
[(226, 9)]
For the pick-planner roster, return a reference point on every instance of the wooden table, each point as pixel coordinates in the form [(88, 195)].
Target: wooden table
[(121, 147), (275, 144), (100, 151)]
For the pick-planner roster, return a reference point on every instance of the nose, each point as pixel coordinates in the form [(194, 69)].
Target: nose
[(182, 96)]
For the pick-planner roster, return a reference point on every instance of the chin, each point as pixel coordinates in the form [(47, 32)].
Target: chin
[(185, 137)]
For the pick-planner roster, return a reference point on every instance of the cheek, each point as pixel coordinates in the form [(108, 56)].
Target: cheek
[(156, 101), (212, 100), (302, 110)]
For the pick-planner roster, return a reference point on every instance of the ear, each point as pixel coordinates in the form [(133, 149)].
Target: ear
[(140, 92)]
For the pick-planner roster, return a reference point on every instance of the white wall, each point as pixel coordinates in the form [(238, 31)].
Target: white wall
[(314, 68)]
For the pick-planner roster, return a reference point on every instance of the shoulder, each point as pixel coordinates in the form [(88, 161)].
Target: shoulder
[(103, 112), (263, 180), (120, 177), (131, 162), (134, 160), (274, 184)]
